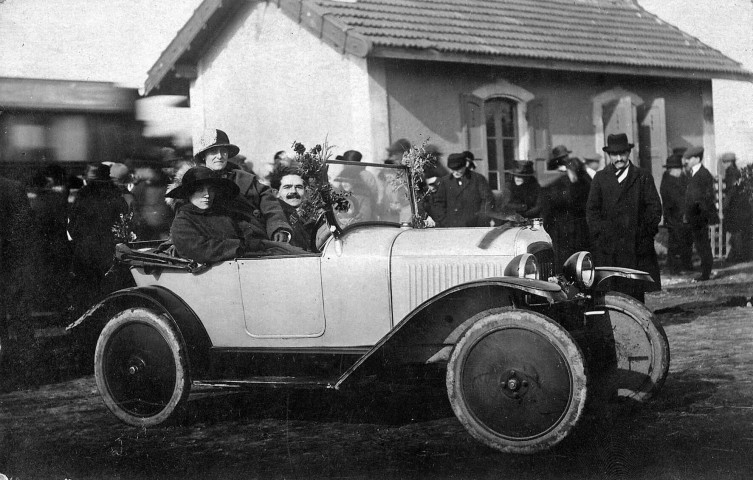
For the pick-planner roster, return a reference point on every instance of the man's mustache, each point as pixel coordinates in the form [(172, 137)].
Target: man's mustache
[(293, 195)]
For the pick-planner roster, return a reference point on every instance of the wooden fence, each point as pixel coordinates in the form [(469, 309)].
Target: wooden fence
[(719, 241)]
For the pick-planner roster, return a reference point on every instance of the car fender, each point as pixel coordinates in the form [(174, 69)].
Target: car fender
[(432, 327), (604, 275), (162, 300)]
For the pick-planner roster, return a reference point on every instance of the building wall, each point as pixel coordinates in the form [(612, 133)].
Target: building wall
[(424, 102), (268, 82), (726, 26)]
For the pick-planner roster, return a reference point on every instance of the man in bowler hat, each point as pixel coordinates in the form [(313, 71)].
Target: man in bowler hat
[(700, 209), (623, 213), (463, 197), (672, 189)]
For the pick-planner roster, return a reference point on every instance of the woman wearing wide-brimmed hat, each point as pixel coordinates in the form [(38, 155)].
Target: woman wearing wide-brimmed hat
[(524, 190), (563, 209), (206, 231), (255, 201)]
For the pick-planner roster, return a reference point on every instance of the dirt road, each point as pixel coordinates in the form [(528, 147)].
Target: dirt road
[(698, 428)]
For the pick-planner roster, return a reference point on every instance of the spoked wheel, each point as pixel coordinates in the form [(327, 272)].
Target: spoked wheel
[(516, 380), (140, 367), (634, 351)]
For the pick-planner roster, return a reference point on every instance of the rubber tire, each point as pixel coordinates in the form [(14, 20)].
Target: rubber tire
[(535, 326), (165, 339), (642, 334)]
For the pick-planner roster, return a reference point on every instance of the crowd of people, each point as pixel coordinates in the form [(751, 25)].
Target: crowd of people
[(58, 232)]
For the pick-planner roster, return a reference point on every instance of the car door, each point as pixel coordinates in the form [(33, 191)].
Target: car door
[(282, 296)]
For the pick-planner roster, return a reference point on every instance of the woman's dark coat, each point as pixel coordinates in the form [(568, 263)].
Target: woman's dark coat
[(563, 209), (207, 236), (524, 199), (465, 205), (215, 234), (623, 219)]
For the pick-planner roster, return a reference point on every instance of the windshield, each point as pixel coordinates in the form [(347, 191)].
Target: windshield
[(378, 192)]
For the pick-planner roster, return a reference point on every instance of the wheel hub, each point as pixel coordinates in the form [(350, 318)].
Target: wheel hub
[(135, 365), (514, 384)]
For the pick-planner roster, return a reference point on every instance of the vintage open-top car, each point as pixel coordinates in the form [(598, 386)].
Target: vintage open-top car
[(521, 342)]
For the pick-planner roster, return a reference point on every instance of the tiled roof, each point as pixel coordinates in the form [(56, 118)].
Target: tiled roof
[(607, 36), (609, 32)]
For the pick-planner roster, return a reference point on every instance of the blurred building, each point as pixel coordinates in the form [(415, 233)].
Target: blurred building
[(69, 78), (71, 122)]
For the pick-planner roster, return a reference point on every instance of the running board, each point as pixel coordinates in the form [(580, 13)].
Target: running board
[(301, 382)]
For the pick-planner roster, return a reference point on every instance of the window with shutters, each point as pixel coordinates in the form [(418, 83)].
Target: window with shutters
[(495, 128)]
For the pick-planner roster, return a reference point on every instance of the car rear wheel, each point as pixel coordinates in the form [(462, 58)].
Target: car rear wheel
[(516, 380), (140, 367), (634, 350)]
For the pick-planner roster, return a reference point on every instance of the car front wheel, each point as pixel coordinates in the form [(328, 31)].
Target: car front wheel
[(516, 380), (140, 367)]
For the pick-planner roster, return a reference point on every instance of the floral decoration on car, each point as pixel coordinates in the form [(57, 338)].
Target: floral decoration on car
[(312, 166)]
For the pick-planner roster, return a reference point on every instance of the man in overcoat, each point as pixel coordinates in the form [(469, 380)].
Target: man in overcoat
[(672, 190), (700, 208), (463, 197), (738, 212), (623, 213), (256, 202)]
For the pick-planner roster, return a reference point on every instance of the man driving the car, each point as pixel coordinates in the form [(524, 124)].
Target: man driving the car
[(291, 193)]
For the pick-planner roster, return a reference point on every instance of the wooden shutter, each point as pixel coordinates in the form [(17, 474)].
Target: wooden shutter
[(474, 129), (619, 117), (653, 138), (540, 141)]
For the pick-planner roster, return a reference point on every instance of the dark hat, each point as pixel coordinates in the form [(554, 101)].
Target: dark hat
[(198, 176), (693, 152), (617, 143), (674, 161), (434, 150), (728, 157), (679, 151), (215, 138), (437, 170), (97, 172), (401, 145), (456, 161), (350, 156), (523, 168), (558, 152)]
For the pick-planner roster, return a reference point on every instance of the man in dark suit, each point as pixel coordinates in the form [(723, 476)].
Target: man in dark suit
[(463, 198), (672, 190), (700, 208), (623, 213)]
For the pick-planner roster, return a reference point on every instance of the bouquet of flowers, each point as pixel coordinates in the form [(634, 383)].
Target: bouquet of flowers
[(122, 229), (312, 166), (417, 159)]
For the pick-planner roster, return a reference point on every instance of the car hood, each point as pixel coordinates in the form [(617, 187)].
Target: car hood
[(425, 262)]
